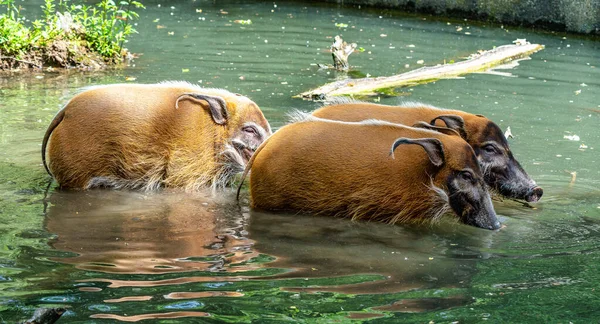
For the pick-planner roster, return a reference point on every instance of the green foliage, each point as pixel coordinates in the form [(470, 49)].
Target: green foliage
[(14, 37), (108, 25), (102, 28), (49, 9)]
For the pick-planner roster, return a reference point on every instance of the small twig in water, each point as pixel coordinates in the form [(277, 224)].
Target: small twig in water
[(573, 177), (340, 51)]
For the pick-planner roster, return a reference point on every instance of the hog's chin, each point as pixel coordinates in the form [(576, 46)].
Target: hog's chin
[(237, 155), (244, 152)]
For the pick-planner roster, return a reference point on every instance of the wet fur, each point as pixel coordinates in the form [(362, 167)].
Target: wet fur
[(362, 194), (478, 130), (408, 113), (134, 137)]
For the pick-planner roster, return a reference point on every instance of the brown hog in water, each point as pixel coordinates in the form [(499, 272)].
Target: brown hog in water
[(135, 136), (502, 172), (347, 169)]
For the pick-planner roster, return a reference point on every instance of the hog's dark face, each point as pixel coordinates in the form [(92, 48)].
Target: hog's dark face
[(468, 196), (501, 171)]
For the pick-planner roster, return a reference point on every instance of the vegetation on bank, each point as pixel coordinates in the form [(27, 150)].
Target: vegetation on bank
[(68, 34)]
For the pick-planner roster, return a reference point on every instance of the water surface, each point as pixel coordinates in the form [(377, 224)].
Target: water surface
[(132, 256)]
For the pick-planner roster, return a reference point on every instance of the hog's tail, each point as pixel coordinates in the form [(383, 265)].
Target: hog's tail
[(55, 122)]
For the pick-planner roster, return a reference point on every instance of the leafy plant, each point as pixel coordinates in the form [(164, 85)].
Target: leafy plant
[(102, 28), (109, 25), (11, 9), (49, 9), (13, 35)]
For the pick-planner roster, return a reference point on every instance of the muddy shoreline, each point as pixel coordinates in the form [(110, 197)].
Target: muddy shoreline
[(60, 54)]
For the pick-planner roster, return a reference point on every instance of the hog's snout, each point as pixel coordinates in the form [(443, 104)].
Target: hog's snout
[(495, 226), (534, 194)]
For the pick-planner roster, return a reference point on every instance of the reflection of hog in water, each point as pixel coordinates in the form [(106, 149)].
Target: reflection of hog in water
[(501, 170), (129, 232), (406, 257), (342, 168), (172, 134)]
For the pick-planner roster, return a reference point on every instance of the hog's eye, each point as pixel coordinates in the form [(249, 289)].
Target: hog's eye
[(490, 149), (250, 130), (466, 175)]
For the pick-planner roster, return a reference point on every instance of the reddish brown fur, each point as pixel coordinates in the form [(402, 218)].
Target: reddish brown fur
[(502, 172), (345, 169), (133, 136), (413, 112)]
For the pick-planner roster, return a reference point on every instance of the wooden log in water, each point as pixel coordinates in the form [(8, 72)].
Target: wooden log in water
[(481, 61)]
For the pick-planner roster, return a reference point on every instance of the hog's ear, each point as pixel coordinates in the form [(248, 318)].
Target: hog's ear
[(454, 122), (216, 105), (432, 146), (443, 130)]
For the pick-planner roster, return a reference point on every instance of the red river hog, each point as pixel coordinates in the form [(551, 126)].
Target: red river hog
[(371, 170), (147, 136), (502, 172)]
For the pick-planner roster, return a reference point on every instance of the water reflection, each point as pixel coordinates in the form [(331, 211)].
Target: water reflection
[(137, 233), (424, 304), (198, 253), (137, 318), (170, 232), (442, 255)]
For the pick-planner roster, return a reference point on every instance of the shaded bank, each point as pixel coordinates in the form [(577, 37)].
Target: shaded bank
[(562, 15)]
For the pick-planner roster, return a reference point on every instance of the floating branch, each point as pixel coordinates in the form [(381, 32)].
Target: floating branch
[(484, 60), (340, 51)]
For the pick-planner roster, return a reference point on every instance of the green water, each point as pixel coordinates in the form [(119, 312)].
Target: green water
[(197, 258)]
